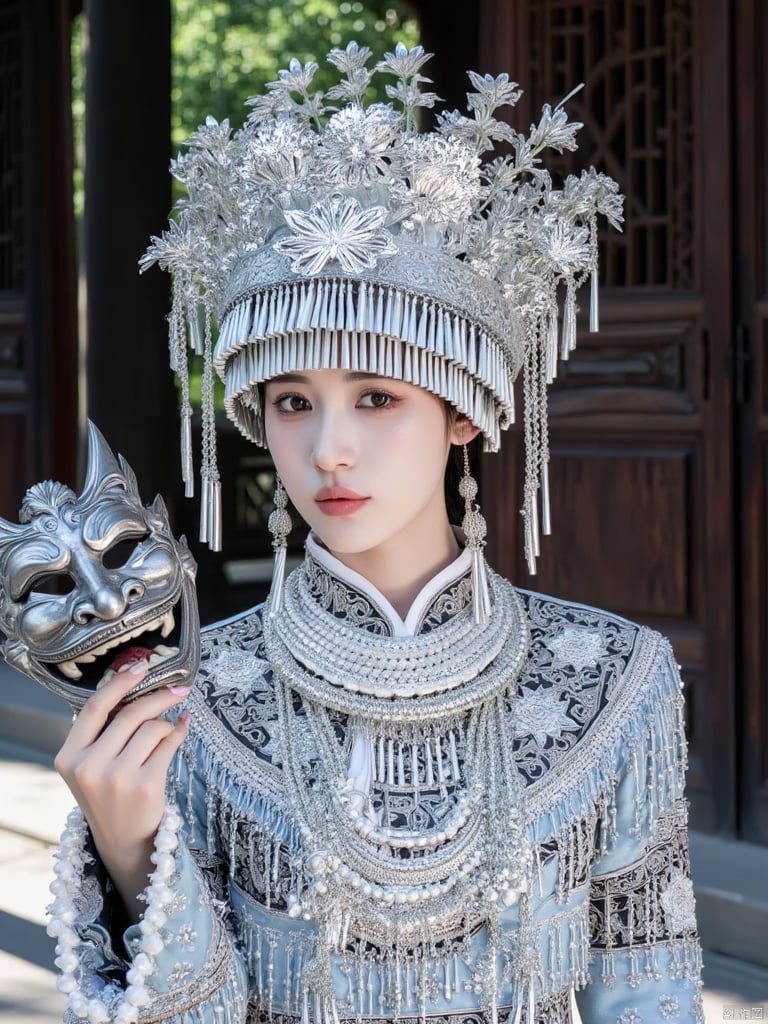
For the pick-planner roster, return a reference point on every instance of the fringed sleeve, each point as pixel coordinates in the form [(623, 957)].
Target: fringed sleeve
[(644, 948)]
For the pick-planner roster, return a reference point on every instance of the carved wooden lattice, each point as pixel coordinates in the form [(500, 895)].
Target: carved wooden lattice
[(635, 57)]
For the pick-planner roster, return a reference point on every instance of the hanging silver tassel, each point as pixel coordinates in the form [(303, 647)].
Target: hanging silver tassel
[(568, 340), (187, 467), (205, 485), (475, 529), (210, 497), (594, 303), (594, 298), (546, 520), (214, 516), (279, 525)]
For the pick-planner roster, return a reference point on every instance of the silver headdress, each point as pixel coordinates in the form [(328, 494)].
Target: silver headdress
[(327, 233)]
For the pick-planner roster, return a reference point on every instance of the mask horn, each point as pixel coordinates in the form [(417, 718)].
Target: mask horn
[(102, 464)]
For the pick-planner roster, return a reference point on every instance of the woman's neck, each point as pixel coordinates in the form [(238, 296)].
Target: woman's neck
[(401, 566)]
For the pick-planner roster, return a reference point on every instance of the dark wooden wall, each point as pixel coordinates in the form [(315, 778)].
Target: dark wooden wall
[(38, 335), (659, 422)]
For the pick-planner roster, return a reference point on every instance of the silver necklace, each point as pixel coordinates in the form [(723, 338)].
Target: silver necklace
[(434, 711)]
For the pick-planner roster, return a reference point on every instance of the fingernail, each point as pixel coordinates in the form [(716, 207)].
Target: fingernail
[(138, 668), (185, 716), (179, 691)]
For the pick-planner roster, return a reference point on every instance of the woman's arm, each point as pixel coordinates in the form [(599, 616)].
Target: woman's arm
[(645, 954)]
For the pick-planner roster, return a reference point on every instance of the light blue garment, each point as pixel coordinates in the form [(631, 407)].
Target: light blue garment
[(600, 746)]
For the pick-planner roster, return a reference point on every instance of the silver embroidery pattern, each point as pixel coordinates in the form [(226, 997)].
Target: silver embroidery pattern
[(669, 1007), (342, 601), (578, 647), (679, 903), (554, 1009), (541, 714), (650, 900), (629, 1017), (449, 602)]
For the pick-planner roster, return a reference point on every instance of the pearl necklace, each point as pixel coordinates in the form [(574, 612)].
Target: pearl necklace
[(121, 1005)]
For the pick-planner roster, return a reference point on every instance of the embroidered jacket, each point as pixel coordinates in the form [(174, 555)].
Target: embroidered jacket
[(599, 744)]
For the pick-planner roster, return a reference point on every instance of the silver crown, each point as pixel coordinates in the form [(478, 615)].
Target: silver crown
[(327, 233)]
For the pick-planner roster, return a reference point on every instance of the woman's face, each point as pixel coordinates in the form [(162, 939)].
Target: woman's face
[(361, 457)]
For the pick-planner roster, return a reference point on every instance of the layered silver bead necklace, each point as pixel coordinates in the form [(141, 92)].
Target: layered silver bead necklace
[(435, 847)]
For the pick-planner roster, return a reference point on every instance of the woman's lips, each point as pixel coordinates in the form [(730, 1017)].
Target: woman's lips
[(339, 501)]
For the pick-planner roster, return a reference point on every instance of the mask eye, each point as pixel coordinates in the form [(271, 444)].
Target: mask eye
[(53, 584), (121, 552)]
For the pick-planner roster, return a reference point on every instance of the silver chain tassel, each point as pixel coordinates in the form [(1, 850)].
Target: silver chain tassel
[(279, 525), (210, 497), (475, 529)]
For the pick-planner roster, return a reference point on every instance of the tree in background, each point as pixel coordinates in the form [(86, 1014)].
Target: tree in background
[(227, 50)]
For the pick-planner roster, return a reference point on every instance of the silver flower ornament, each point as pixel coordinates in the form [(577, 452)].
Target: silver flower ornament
[(336, 229), (541, 714)]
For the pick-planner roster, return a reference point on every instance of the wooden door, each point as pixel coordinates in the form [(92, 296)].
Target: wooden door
[(641, 417), (751, 421)]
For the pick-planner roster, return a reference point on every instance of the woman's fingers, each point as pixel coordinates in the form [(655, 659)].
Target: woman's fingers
[(96, 711), (104, 726), (148, 741)]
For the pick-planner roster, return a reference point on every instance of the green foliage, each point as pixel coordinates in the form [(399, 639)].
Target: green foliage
[(227, 50)]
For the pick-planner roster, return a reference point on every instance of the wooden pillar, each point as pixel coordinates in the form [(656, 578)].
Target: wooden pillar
[(127, 198)]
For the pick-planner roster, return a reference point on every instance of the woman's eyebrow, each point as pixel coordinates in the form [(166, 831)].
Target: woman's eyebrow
[(299, 378), (289, 378), (360, 375)]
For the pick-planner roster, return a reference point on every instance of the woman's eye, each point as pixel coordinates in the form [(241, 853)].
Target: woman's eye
[(376, 400), (292, 403)]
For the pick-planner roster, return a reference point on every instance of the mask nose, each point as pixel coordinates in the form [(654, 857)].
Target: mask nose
[(108, 600)]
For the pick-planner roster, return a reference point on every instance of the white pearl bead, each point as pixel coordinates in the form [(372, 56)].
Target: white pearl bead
[(165, 862), (67, 963), (78, 1004), (152, 944), (97, 1012), (166, 841), (171, 820), (294, 906), (66, 983), (155, 916), (126, 1014), (160, 893), (143, 963), (137, 995)]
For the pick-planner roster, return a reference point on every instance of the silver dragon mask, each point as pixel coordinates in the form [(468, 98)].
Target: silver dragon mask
[(90, 582)]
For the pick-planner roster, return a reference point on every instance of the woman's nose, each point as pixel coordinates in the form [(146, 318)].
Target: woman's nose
[(333, 443)]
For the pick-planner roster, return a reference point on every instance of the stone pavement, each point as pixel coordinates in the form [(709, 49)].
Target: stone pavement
[(34, 803)]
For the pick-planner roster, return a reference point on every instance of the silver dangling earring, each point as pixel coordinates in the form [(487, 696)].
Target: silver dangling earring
[(474, 527), (279, 525)]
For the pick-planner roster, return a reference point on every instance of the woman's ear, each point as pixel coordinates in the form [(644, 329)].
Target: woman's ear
[(463, 430)]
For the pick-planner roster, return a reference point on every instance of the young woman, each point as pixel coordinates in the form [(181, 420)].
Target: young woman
[(404, 788)]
